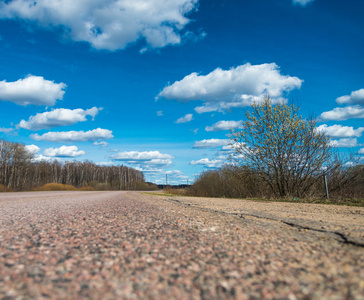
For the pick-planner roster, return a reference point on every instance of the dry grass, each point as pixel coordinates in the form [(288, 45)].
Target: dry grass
[(87, 188), (4, 188), (55, 187), (179, 192)]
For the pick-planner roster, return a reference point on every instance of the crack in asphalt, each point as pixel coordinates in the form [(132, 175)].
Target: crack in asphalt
[(342, 238)]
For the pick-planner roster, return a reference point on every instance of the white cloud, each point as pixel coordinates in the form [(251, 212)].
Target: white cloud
[(159, 162), (149, 158), (40, 157), (208, 163), (32, 90), (224, 89), (74, 136), (224, 125), (106, 163), (228, 148), (302, 2), (361, 151), (187, 118), (108, 24), (232, 147), (64, 151), (159, 176), (205, 109), (340, 131), (159, 113), (6, 130), (102, 144), (356, 97), (33, 149), (211, 143), (343, 113), (345, 143), (58, 117), (140, 156)]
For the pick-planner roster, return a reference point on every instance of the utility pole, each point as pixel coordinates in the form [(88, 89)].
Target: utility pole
[(326, 188)]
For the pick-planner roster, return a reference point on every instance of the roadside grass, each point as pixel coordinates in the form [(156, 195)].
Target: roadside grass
[(160, 194), (4, 189), (346, 202), (87, 188), (55, 187), (63, 187)]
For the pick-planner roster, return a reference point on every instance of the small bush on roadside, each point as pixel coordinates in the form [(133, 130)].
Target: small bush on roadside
[(229, 182), (55, 187), (145, 186), (178, 192), (87, 188), (4, 188)]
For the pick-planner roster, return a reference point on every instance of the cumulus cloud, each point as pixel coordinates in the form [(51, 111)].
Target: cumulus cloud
[(215, 163), (105, 163), (108, 24), (361, 151), (211, 143), (237, 87), (33, 90), (32, 149), (40, 157), (302, 2), (158, 175), (150, 158), (64, 151), (6, 130), (231, 147), (102, 144), (356, 97), (224, 125), (343, 113), (340, 131), (187, 118), (344, 143), (58, 117), (74, 136), (355, 110)]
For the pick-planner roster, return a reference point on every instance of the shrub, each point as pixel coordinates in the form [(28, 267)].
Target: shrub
[(4, 188), (178, 192), (145, 186), (87, 188), (55, 187)]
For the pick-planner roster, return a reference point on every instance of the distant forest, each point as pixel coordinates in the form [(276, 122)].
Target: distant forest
[(19, 172)]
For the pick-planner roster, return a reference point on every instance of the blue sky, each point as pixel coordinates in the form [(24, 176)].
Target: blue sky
[(156, 84)]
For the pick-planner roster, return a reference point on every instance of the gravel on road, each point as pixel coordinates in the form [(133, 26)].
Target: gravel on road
[(130, 245)]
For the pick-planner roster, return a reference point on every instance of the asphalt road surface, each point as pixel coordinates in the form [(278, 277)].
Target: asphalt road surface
[(130, 245)]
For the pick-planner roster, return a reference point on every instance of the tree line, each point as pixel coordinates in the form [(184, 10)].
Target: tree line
[(233, 181), (19, 172)]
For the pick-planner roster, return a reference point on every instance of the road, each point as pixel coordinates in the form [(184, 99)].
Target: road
[(130, 245)]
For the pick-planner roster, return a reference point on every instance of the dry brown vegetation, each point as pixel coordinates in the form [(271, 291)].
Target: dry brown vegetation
[(345, 186), (55, 187), (4, 188)]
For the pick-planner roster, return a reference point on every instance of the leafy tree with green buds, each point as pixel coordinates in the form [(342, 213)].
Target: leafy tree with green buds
[(285, 150)]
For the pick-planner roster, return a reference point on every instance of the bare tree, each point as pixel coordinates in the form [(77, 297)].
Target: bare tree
[(19, 172)]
